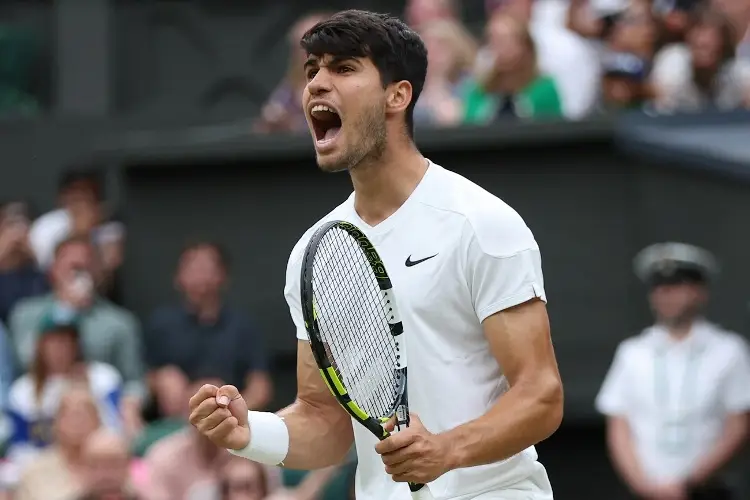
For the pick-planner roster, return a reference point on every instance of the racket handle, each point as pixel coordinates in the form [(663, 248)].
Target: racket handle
[(420, 492)]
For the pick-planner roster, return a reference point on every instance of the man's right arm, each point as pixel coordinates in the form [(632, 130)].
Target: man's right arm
[(320, 431)]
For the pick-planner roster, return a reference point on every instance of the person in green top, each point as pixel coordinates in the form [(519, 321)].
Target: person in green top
[(507, 81)]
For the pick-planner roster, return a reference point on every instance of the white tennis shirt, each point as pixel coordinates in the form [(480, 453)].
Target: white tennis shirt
[(676, 395), (485, 260)]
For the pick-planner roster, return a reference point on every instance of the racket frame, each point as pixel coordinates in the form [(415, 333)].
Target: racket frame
[(400, 406)]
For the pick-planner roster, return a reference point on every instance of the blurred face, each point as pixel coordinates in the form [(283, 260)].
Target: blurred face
[(345, 106), (705, 45), (58, 351), (734, 9), (520, 10), (71, 259), (677, 303), (201, 275), (420, 12), (440, 55), (76, 419), (14, 227), (504, 41), (635, 30), (107, 467), (243, 480)]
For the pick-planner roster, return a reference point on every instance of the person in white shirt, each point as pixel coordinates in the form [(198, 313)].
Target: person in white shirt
[(483, 379), (677, 396)]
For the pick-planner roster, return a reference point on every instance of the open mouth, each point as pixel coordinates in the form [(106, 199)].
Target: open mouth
[(326, 123)]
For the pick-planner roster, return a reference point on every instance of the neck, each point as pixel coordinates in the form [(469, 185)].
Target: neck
[(208, 310), (680, 329), (382, 187), (511, 83), (71, 454)]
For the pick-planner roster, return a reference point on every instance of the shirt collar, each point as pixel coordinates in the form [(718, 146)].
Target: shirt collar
[(699, 337)]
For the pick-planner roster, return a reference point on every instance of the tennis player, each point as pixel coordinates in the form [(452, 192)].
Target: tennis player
[(483, 379)]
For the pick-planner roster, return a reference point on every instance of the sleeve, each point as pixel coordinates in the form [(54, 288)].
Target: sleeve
[(23, 322), (736, 393), (612, 398), (292, 291), (128, 360), (504, 266)]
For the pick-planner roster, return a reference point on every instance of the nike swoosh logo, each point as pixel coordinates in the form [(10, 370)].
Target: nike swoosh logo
[(410, 263)]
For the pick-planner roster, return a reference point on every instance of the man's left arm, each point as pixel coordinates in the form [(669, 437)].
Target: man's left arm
[(258, 389), (129, 362), (532, 409), (736, 403)]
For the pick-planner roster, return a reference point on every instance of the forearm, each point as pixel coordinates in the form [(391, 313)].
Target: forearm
[(623, 455), (521, 418), (319, 436), (731, 441)]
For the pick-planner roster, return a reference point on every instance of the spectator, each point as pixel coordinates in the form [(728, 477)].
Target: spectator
[(565, 57), (200, 461), (451, 51), (56, 473), (106, 468), (675, 17), (283, 111), (420, 13), (703, 73), (108, 333), (635, 31), (677, 397), (625, 81), (19, 276), (35, 397), (508, 82), (7, 373), (204, 334), (738, 13), (82, 213)]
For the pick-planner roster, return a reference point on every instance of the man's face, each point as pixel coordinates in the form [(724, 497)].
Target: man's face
[(345, 105), (70, 260), (676, 303), (200, 274)]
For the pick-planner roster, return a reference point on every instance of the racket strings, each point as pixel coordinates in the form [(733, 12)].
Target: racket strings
[(353, 323)]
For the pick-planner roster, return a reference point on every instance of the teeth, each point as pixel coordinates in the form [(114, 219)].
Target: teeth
[(321, 107)]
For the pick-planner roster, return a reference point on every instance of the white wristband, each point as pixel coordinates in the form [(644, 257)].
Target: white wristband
[(269, 439)]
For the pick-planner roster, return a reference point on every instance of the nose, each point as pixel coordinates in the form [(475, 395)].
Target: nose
[(320, 84)]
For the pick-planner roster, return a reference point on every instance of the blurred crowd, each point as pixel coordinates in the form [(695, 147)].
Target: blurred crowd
[(93, 401), (561, 59)]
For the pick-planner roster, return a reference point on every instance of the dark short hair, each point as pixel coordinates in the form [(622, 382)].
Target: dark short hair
[(82, 174), (221, 252), (395, 49)]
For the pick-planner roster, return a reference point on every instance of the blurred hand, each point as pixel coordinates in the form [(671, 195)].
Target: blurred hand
[(669, 491), (12, 236), (77, 290), (220, 414)]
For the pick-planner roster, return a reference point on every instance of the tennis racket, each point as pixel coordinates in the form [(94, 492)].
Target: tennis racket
[(355, 331)]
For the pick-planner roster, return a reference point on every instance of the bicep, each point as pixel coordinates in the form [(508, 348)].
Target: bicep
[(519, 338)]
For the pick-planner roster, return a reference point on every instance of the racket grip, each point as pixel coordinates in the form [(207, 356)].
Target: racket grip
[(420, 492)]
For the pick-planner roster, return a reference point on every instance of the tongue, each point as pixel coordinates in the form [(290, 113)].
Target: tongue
[(331, 133)]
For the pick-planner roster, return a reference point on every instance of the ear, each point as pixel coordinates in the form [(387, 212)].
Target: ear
[(399, 97)]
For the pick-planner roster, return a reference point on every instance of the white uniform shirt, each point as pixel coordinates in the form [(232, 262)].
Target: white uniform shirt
[(676, 394), (487, 260)]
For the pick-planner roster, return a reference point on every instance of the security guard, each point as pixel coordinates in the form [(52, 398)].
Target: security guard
[(677, 396)]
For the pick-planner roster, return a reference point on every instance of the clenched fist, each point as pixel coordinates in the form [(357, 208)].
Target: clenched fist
[(220, 414)]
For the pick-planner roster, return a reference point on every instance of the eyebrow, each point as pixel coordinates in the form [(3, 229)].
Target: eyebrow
[(314, 61)]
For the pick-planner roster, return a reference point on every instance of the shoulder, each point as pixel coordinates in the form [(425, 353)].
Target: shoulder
[(119, 315), (493, 224), (165, 315), (164, 450), (30, 306), (298, 251), (54, 220), (731, 343)]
